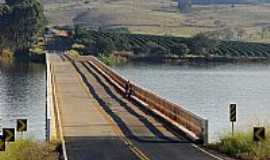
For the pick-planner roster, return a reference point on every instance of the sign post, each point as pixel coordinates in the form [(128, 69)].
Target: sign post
[(233, 116), (2, 144)]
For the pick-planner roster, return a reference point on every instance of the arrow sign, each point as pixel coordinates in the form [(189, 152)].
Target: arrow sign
[(258, 134), (2, 143), (9, 134), (233, 112), (21, 125)]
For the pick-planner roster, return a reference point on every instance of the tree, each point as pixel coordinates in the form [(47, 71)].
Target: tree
[(104, 45), (202, 45), (22, 22), (180, 49), (81, 34), (121, 41)]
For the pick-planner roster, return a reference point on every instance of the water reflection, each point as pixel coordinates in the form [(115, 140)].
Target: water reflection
[(22, 95)]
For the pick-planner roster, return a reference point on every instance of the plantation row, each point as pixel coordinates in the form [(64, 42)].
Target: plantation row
[(242, 49), (97, 42)]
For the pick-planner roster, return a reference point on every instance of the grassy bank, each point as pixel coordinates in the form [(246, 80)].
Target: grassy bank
[(30, 150), (35, 54), (111, 59), (241, 146)]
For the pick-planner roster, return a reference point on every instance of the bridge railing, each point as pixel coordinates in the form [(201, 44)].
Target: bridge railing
[(192, 125)]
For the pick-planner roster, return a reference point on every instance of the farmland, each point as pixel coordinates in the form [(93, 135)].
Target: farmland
[(161, 17), (242, 49), (135, 42), (243, 29)]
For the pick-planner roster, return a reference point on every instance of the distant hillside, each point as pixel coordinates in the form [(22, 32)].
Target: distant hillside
[(162, 17), (193, 1), (229, 1)]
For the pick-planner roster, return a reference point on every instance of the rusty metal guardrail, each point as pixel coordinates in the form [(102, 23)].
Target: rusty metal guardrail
[(192, 125)]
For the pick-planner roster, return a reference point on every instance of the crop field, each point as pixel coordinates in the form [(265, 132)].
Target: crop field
[(242, 50), (229, 49), (162, 17)]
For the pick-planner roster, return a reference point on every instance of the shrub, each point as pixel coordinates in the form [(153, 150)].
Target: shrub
[(6, 53), (241, 145), (73, 53), (37, 50), (109, 59), (30, 149), (78, 46)]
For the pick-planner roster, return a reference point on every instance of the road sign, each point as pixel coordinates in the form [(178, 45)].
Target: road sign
[(21, 125), (9, 134), (233, 112), (2, 143), (258, 134)]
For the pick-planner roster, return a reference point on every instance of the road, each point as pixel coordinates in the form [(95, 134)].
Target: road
[(98, 123)]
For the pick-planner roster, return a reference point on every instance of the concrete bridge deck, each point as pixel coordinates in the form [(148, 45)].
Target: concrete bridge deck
[(98, 123)]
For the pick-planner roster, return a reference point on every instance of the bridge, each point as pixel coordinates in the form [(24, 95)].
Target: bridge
[(88, 112)]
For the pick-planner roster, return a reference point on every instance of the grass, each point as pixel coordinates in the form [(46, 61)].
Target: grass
[(241, 145), (77, 46), (30, 150), (37, 50), (73, 53), (109, 59)]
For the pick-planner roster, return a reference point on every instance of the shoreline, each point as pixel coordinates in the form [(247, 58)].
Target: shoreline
[(196, 60), (28, 57)]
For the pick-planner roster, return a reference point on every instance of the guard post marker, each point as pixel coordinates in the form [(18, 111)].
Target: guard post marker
[(233, 115)]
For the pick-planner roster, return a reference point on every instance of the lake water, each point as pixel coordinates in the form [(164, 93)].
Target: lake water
[(207, 90), (23, 95)]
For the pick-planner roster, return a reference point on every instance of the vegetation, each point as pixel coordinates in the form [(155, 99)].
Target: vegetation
[(202, 45), (105, 43), (38, 47), (73, 53), (241, 145), (30, 149), (109, 59), (21, 23), (6, 54)]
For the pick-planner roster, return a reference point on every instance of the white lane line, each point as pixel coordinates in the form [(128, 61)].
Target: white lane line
[(206, 152)]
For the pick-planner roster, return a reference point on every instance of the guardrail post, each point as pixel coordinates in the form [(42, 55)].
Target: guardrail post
[(48, 100), (205, 132)]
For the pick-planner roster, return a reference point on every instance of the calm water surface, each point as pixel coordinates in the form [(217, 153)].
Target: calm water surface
[(23, 95), (207, 90)]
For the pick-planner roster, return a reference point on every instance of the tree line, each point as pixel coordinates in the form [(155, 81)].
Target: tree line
[(21, 23)]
